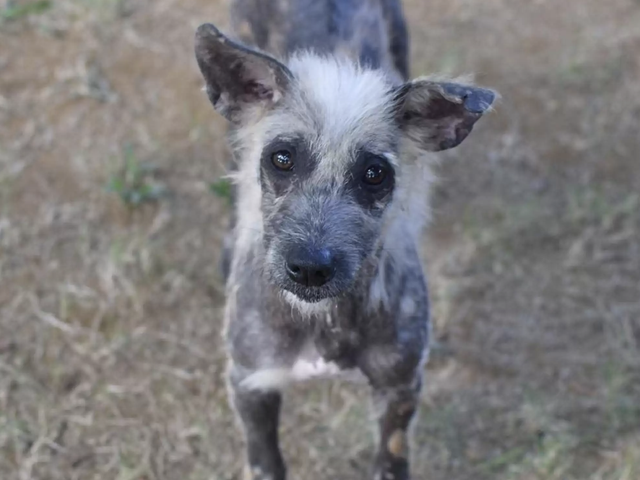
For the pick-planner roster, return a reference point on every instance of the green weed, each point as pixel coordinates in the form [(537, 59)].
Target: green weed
[(133, 182), (222, 188), (15, 12)]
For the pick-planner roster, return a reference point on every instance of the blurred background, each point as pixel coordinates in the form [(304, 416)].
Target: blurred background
[(112, 212)]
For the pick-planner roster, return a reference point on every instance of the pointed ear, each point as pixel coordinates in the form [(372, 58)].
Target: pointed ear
[(440, 115), (236, 77)]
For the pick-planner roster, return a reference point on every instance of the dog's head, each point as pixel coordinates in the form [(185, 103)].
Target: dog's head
[(331, 155)]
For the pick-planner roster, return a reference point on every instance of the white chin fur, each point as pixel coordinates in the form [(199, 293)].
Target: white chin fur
[(307, 308)]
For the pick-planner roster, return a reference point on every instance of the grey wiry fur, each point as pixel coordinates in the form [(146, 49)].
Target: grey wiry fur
[(331, 150)]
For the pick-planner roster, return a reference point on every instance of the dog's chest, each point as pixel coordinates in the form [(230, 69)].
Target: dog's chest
[(308, 365), (331, 348), (328, 352), (311, 365)]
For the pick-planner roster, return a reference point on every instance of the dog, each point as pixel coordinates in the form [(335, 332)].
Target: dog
[(333, 147)]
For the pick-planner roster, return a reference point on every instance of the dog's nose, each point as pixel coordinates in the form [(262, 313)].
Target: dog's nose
[(311, 268)]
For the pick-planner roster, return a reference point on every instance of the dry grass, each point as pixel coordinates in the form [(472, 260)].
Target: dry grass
[(111, 364)]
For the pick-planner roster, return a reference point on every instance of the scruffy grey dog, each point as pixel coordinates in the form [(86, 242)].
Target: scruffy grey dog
[(332, 146)]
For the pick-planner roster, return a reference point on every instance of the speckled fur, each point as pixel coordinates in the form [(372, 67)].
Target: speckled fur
[(341, 91)]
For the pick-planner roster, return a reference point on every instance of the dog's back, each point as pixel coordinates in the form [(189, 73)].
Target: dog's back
[(372, 32)]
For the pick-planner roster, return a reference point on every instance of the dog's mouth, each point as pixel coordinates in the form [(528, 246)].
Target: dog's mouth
[(312, 285), (293, 292)]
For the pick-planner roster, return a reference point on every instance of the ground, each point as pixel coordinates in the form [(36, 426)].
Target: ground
[(111, 218)]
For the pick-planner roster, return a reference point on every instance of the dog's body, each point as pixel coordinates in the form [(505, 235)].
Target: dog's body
[(332, 183), (372, 32)]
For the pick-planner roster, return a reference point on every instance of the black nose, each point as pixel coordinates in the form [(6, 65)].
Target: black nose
[(312, 268)]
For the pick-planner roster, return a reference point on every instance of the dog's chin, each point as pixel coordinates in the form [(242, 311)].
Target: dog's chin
[(308, 308), (308, 294)]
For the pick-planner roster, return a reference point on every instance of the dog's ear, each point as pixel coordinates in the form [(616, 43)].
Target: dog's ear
[(440, 115), (238, 79)]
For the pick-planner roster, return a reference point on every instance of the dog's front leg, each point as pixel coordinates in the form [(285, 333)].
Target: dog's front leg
[(395, 408), (259, 413), (395, 374)]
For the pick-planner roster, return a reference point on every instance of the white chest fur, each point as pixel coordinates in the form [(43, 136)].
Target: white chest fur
[(308, 366)]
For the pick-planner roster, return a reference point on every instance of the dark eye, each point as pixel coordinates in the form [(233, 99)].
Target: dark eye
[(375, 175), (282, 160)]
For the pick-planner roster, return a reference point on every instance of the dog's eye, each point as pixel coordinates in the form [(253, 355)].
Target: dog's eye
[(375, 175), (282, 160)]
